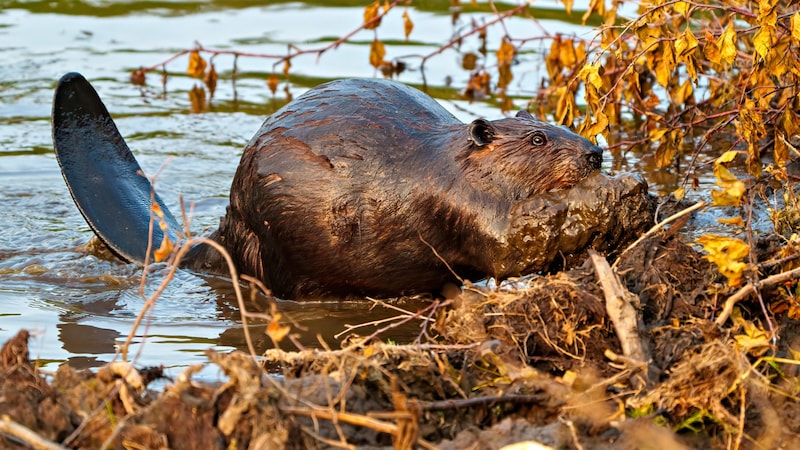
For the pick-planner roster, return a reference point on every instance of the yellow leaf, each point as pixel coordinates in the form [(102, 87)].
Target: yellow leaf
[(656, 134), (732, 188), (197, 65), (752, 129), (681, 8), (275, 330), (762, 41), (796, 27), (596, 126), (566, 53), (754, 340), (711, 50), (163, 250), (408, 25), (665, 64), (781, 150), (727, 44), (590, 73), (665, 152), (598, 6), (377, 52), (726, 157), (371, 13), (686, 44), (727, 254), (682, 92), (565, 108), (679, 193), (286, 66), (505, 54), (736, 221), (568, 6), (691, 67)]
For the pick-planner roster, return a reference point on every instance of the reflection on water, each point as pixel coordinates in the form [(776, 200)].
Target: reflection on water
[(81, 305)]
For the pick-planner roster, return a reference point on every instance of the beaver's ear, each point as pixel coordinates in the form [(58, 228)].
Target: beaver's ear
[(481, 132), (525, 115)]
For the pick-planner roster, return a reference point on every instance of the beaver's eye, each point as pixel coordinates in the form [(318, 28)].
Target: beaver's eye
[(538, 139)]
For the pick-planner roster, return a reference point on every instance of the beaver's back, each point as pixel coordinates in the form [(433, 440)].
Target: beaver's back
[(368, 101), (320, 184)]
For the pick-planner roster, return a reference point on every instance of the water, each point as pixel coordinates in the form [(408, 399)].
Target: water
[(81, 305)]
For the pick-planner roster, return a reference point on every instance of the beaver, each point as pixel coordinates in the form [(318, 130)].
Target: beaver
[(358, 187)]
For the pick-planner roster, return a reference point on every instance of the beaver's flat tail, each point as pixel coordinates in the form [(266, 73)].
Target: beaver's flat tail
[(105, 181)]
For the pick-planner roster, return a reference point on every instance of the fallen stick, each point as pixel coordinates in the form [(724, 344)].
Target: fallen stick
[(622, 308)]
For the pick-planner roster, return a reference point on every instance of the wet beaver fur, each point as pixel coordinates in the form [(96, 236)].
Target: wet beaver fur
[(368, 187)]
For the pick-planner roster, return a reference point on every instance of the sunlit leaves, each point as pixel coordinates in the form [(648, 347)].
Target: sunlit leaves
[(591, 128), (408, 25), (164, 250), (377, 53), (796, 27), (566, 107), (723, 50), (732, 188), (727, 254), (590, 73), (665, 64), (681, 8), (197, 65), (505, 54), (762, 41), (372, 15), (597, 6), (568, 5)]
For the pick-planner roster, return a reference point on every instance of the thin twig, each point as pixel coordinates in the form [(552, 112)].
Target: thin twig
[(659, 226), (750, 288)]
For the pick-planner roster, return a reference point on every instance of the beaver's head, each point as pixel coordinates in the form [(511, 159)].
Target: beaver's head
[(522, 156)]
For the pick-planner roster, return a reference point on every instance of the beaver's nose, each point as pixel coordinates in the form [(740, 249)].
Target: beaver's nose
[(594, 156)]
